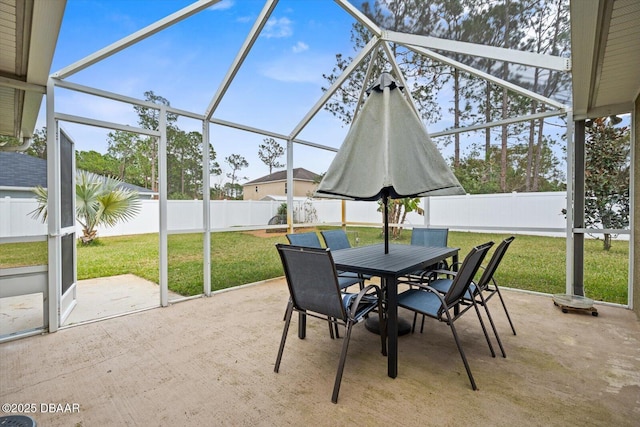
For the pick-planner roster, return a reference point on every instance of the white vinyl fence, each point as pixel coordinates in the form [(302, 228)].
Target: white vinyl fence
[(521, 213)]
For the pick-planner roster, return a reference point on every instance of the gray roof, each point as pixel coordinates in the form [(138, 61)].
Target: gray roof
[(299, 174), (22, 170)]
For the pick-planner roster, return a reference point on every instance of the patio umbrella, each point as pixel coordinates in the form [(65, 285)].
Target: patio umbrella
[(387, 153)]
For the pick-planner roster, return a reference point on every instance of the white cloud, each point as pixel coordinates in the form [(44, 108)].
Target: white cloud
[(277, 28), (295, 69), (223, 5), (300, 47)]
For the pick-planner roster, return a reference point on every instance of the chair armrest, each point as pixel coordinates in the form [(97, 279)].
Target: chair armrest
[(364, 292)]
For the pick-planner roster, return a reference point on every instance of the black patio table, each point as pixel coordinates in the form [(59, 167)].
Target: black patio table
[(401, 260)]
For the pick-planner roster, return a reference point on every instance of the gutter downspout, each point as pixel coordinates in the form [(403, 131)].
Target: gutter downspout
[(26, 143)]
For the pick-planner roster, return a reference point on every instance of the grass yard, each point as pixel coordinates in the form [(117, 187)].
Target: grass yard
[(532, 262)]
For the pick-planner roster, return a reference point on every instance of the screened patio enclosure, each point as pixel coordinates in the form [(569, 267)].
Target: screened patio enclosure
[(383, 43)]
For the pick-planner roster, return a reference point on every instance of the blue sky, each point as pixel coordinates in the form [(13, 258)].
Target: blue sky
[(279, 82)]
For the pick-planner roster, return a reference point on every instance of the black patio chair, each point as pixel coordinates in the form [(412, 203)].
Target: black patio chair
[(311, 240), (430, 237), (485, 288), (424, 236), (426, 300), (313, 286), (336, 240)]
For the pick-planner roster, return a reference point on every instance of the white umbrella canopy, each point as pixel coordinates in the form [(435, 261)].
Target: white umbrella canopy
[(387, 153)]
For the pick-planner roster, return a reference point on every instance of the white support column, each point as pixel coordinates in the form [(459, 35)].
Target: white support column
[(162, 192), (570, 200), (632, 207), (290, 185), (53, 209), (427, 211), (206, 210)]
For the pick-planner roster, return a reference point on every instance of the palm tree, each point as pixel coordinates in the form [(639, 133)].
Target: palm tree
[(99, 201)]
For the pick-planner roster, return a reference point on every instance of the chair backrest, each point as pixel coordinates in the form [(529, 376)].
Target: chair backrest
[(336, 239), (492, 266), (466, 273), (310, 239), (437, 237), (312, 280)]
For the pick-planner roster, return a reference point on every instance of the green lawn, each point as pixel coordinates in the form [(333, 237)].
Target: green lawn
[(532, 262)]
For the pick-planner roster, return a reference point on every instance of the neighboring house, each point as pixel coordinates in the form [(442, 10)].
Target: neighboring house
[(21, 173), (275, 184)]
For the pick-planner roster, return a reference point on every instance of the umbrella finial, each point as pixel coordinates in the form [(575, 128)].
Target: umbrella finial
[(385, 80)]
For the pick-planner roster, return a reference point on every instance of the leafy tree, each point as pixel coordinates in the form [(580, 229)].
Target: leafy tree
[(472, 171), (121, 146), (607, 163), (184, 164), (532, 26), (138, 154), (397, 213), (236, 162), (92, 161), (99, 201), (269, 152), (38, 147)]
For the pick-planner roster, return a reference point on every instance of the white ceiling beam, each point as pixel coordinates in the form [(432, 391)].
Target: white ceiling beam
[(367, 77), (360, 17), (134, 38), (65, 84), (606, 110), (335, 86), (104, 124), (472, 49), (22, 85), (498, 123), (398, 71), (240, 57), (486, 76), (269, 133)]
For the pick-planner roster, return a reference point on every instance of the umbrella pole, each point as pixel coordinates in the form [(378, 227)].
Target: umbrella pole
[(385, 202)]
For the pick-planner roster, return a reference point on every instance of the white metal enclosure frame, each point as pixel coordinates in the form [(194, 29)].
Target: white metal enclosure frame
[(380, 41)]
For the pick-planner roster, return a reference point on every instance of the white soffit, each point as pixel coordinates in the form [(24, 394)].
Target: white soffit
[(28, 35), (605, 45)]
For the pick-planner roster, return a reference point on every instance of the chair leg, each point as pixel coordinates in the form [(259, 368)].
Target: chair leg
[(383, 328), (329, 319), (493, 325), (284, 317), (413, 326), (484, 328), (505, 309), (343, 357), (464, 358), (287, 321)]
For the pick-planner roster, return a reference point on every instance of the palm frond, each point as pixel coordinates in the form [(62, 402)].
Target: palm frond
[(41, 211)]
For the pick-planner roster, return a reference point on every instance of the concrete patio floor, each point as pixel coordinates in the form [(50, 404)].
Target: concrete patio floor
[(209, 361)]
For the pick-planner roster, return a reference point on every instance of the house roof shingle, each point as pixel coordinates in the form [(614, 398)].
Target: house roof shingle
[(23, 170), (299, 174)]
